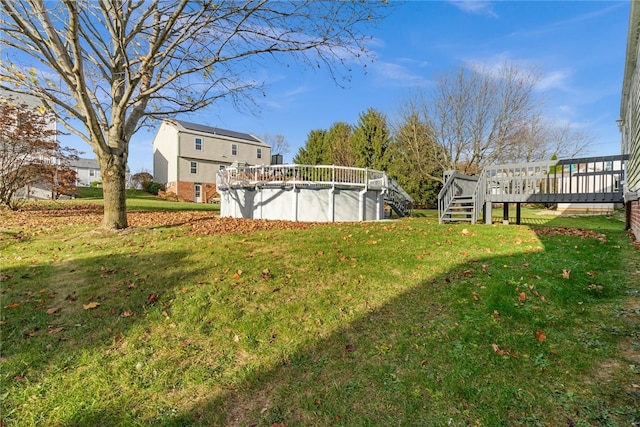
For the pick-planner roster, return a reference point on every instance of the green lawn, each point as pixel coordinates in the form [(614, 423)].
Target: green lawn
[(138, 200), (389, 323)]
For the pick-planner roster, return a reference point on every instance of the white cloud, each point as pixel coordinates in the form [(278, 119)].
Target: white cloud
[(554, 80), (398, 75), (476, 7)]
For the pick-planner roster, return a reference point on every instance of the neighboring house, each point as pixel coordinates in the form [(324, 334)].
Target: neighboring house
[(630, 120), (12, 159), (187, 157), (87, 171)]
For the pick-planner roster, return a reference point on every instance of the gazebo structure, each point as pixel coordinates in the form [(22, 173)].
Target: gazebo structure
[(318, 193)]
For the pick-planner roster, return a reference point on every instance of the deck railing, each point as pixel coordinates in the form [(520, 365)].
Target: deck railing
[(588, 179), (456, 185), (581, 180), (301, 175)]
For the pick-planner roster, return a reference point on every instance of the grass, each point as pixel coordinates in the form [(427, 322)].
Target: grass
[(390, 323), (138, 200)]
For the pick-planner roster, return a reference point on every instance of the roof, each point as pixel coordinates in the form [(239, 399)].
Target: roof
[(217, 131), (22, 98), (84, 164)]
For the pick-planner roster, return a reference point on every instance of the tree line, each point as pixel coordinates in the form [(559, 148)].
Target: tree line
[(473, 117)]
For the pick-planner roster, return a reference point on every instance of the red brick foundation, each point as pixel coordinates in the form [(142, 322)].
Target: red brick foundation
[(635, 217), (185, 191)]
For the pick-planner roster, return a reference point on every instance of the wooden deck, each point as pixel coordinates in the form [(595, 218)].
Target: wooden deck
[(582, 180)]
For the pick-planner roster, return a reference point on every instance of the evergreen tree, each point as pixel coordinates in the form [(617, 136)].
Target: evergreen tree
[(416, 160), (315, 151), (371, 138), (339, 142)]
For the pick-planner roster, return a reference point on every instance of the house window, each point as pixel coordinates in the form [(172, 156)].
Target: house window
[(222, 167), (259, 153), (92, 172), (198, 144), (234, 149), (194, 167)]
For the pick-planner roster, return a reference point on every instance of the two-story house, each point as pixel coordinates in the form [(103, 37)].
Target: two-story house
[(87, 171), (187, 157), (630, 120)]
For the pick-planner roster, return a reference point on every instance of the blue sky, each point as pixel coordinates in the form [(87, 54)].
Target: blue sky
[(577, 46)]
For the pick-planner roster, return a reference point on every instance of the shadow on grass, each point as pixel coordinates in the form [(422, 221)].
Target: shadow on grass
[(452, 351), (61, 313), (438, 354)]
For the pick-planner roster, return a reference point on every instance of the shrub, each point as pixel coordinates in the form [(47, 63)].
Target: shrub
[(153, 187)]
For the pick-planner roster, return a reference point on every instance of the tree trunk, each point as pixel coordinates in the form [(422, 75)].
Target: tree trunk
[(114, 168)]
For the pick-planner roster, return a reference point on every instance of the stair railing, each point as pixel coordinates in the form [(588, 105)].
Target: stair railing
[(446, 194), (479, 195), (398, 198)]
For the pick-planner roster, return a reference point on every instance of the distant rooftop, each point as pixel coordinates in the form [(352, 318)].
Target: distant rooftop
[(20, 98), (217, 131), (84, 163)]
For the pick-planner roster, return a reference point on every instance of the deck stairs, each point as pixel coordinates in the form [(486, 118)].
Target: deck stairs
[(461, 208), (398, 199), (581, 180)]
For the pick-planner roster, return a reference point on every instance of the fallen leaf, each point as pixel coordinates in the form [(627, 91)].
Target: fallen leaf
[(475, 296), (12, 305), (497, 350), (349, 348), (91, 305), (540, 336), (566, 273), (151, 299), (496, 314), (54, 310), (266, 274), (53, 331), (522, 297), (126, 313)]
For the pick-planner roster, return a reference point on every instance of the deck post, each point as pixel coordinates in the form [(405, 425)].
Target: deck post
[(505, 213), (518, 213), (487, 213)]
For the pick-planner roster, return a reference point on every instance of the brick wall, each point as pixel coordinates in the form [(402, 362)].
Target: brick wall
[(185, 191), (635, 218)]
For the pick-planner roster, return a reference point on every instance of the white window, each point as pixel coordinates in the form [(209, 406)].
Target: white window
[(234, 149), (222, 167), (259, 153), (194, 167), (198, 144), (92, 172)]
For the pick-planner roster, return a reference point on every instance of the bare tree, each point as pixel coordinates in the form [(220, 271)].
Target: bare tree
[(541, 139), (483, 116), (277, 142), (108, 65), (475, 114)]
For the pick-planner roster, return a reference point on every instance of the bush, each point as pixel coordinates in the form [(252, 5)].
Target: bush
[(153, 187), (96, 184)]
